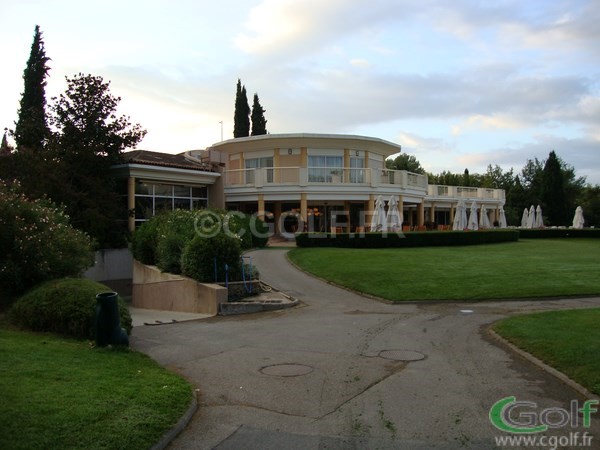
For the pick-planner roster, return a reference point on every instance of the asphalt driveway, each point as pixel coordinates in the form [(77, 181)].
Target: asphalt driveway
[(345, 371)]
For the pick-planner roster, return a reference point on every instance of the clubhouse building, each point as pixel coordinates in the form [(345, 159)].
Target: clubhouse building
[(316, 182)]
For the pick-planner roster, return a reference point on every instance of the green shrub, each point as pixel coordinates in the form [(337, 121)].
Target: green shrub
[(552, 233), (169, 251), (65, 307), (202, 253), (407, 239), (144, 242), (37, 243)]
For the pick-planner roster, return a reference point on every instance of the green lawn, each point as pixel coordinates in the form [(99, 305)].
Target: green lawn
[(527, 268), (569, 341), (60, 393)]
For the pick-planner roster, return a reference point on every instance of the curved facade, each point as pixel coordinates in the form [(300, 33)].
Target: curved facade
[(324, 182)]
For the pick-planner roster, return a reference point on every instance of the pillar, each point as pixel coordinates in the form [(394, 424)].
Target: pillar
[(370, 210), (131, 204), (452, 211), (276, 216), (420, 214), (432, 213), (303, 209), (261, 206), (401, 207), (347, 210)]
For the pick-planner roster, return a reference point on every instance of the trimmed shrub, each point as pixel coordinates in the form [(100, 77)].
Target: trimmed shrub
[(407, 239), (66, 307), (37, 243), (552, 233), (203, 256), (144, 242)]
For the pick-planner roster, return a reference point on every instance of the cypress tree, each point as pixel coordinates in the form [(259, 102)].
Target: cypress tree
[(4, 147), (31, 129), (259, 123), (241, 117), (553, 194)]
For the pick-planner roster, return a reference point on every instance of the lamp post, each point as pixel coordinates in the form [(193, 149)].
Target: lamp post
[(221, 122)]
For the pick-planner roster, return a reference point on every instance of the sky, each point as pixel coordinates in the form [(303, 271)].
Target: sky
[(461, 84)]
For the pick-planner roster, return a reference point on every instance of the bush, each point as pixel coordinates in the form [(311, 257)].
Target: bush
[(66, 307), (552, 233), (407, 239), (202, 254), (144, 242), (37, 243)]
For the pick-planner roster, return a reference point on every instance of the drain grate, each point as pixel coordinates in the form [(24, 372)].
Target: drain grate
[(401, 355), (287, 370)]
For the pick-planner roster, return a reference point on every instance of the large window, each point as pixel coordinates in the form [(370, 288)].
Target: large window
[(259, 163), (357, 169), (152, 198), (325, 169)]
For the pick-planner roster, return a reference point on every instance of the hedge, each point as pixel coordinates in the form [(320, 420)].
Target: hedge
[(552, 233), (406, 239)]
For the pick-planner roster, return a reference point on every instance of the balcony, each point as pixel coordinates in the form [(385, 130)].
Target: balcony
[(467, 193), (324, 176)]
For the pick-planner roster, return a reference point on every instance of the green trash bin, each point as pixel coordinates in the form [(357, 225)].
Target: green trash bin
[(108, 322)]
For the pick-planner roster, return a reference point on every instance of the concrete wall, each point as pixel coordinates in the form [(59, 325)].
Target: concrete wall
[(153, 289), (111, 264)]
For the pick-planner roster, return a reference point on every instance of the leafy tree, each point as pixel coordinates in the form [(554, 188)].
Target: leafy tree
[(89, 139), (589, 200), (405, 162), (259, 123), (31, 129), (241, 117)]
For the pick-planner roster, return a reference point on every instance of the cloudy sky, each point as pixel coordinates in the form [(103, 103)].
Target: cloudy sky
[(459, 84)]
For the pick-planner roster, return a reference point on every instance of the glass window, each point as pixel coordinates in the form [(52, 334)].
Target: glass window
[(144, 208), (199, 203), (162, 204), (142, 188), (259, 163), (200, 192), (325, 169), (181, 191), (357, 172), (163, 190), (181, 203)]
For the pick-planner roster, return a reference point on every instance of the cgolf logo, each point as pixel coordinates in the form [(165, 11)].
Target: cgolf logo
[(522, 417)]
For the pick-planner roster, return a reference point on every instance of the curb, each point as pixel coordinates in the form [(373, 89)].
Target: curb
[(170, 435), (542, 365)]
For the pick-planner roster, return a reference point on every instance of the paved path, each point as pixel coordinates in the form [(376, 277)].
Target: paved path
[(333, 373)]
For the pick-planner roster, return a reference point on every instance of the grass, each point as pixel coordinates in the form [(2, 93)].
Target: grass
[(566, 340), (61, 393), (527, 268)]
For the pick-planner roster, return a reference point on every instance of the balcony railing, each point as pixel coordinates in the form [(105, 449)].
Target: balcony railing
[(303, 176), (436, 190)]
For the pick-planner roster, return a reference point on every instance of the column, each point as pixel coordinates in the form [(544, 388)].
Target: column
[(276, 216), (131, 204), (370, 210), (401, 206), (303, 210), (420, 214), (347, 209), (452, 214), (432, 213), (261, 206)]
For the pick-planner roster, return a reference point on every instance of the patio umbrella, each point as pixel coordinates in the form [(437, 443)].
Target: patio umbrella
[(460, 216), (578, 219), (378, 219), (524, 218), (394, 216), (484, 220), (472, 225), (531, 217), (539, 220), (502, 219)]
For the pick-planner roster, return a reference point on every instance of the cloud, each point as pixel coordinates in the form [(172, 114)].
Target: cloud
[(479, 121)]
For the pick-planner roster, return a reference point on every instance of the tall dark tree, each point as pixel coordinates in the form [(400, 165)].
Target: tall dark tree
[(553, 194), (466, 178), (31, 128), (89, 139), (241, 116), (5, 149), (259, 123)]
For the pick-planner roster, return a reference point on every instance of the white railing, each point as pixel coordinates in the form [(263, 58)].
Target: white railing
[(436, 190), (303, 176)]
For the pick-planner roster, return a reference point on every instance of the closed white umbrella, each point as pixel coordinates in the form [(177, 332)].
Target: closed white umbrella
[(484, 220), (539, 219), (394, 216), (460, 216), (378, 219), (531, 217), (578, 219), (524, 218), (502, 219), (472, 225)]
